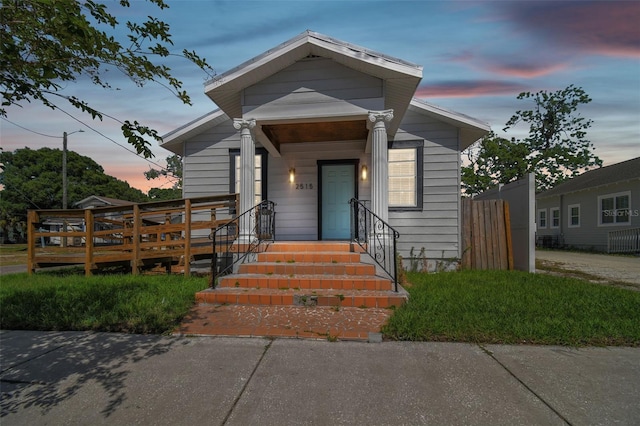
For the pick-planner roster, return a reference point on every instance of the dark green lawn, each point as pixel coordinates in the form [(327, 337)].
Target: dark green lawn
[(123, 303), (516, 307)]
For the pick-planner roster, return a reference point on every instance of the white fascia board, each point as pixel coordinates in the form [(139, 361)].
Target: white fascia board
[(179, 135), (462, 120)]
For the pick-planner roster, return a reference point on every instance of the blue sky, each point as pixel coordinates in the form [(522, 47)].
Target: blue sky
[(477, 56)]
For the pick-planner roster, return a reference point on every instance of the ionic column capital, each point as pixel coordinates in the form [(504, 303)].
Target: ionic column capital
[(241, 123), (381, 116)]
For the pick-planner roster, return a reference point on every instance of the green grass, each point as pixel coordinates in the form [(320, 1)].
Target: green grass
[(515, 307), (119, 303)]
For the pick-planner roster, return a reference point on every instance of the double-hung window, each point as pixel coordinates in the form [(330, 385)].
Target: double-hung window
[(614, 209), (542, 219), (405, 175), (573, 215), (555, 217), (260, 183)]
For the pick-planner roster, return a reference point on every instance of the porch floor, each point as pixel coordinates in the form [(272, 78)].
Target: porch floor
[(317, 290)]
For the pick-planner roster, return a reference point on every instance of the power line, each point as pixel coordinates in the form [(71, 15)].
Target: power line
[(32, 131), (94, 130)]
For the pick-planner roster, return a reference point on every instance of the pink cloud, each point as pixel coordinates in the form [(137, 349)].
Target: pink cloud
[(525, 70), (469, 89), (601, 27), (511, 65)]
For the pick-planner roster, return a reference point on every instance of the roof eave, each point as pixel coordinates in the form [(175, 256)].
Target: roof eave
[(309, 43), (174, 140), (471, 129)]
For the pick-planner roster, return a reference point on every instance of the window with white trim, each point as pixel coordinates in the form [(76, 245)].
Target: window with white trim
[(260, 184), (542, 218), (573, 215), (614, 209), (555, 217), (405, 175)]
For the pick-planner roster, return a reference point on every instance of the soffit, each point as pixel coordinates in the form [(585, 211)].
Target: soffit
[(326, 131)]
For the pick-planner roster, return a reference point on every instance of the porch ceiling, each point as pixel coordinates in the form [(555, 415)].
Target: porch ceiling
[(326, 131)]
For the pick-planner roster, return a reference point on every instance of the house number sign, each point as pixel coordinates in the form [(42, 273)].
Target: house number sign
[(304, 186)]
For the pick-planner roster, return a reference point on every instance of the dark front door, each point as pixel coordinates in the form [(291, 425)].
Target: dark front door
[(338, 185)]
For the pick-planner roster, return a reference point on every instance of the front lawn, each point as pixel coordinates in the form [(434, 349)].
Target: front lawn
[(122, 303), (515, 307)]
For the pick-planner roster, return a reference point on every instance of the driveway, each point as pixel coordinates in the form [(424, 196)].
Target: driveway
[(606, 267)]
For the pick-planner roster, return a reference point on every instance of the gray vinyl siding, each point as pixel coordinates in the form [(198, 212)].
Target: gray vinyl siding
[(316, 86), (297, 209), (206, 161), (589, 235), (436, 227)]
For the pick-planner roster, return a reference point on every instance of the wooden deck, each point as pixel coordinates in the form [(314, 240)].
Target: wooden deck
[(138, 235)]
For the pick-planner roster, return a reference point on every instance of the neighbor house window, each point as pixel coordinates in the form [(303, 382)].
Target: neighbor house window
[(555, 217), (260, 184), (542, 219), (405, 175), (573, 215), (614, 209)]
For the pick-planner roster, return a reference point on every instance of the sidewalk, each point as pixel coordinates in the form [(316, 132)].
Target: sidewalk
[(100, 378)]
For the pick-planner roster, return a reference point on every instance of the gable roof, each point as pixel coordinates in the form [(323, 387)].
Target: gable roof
[(174, 140), (471, 129), (401, 77), (615, 173), (105, 200)]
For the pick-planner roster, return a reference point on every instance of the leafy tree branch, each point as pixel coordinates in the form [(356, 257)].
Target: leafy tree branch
[(47, 43)]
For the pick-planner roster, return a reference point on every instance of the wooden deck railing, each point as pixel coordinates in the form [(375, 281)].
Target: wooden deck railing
[(138, 235)]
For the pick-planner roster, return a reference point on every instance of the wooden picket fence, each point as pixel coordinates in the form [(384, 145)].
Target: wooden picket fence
[(486, 235)]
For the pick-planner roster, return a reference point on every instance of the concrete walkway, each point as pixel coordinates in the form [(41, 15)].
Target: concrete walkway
[(100, 378)]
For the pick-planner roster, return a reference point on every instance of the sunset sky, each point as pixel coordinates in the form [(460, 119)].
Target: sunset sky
[(477, 56)]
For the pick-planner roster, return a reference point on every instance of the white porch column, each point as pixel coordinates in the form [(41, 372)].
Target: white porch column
[(380, 163), (247, 174)]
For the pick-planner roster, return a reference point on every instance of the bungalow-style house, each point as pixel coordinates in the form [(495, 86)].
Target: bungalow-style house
[(315, 122), (597, 210)]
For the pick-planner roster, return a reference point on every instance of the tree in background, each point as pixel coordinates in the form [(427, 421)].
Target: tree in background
[(495, 160), (173, 172), (555, 149), (32, 179), (46, 44)]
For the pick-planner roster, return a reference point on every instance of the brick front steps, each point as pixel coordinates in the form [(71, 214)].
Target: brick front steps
[(299, 280)]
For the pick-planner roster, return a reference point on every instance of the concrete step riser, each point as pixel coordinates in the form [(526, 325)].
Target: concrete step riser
[(309, 247), (298, 257), (300, 299), (377, 284), (307, 269)]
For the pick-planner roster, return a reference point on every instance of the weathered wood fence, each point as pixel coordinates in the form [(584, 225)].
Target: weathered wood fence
[(137, 235), (486, 235)]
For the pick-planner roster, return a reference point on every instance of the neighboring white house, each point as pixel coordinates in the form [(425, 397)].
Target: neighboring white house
[(93, 201), (316, 121), (586, 211)]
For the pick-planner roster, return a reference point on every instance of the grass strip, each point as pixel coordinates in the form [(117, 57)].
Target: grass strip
[(516, 307), (117, 303)]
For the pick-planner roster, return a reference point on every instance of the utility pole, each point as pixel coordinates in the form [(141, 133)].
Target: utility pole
[(64, 182), (64, 167), (64, 171)]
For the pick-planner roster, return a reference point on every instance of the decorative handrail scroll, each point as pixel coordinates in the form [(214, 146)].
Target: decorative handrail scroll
[(231, 247), (376, 237)]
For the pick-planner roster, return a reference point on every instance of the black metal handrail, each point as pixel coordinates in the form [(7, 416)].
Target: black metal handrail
[(376, 237), (241, 236)]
